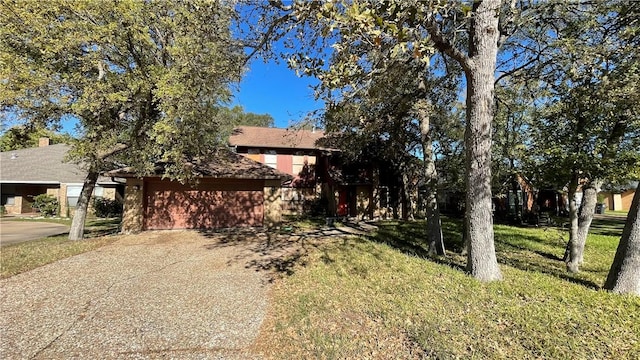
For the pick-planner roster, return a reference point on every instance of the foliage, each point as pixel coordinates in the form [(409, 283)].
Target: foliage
[(21, 137), (106, 208), (140, 76), (46, 204), (588, 121), (238, 116), (145, 74), (511, 127), (358, 298), (347, 45), (146, 81), (3, 210)]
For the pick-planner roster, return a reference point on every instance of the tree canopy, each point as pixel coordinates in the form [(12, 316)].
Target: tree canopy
[(347, 44), (148, 78), (237, 116)]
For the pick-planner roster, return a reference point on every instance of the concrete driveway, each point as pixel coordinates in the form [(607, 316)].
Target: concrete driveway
[(12, 232), (172, 294)]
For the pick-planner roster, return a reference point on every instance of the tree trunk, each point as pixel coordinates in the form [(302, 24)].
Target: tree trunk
[(624, 276), (466, 244), (571, 253), (328, 193), (480, 73), (407, 203), (77, 225), (516, 200), (585, 216), (434, 226), (397, 202)]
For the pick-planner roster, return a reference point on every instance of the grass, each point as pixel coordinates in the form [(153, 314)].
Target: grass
[(381, 297), (21, 257), (617, 212), (29, 255)]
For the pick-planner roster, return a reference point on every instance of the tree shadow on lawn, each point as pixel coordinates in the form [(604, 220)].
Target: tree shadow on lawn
[(609, 226), (102, 227), (276, 251), (410, 238), (522, 251)]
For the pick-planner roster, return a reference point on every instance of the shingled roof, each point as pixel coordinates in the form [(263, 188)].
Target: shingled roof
[(252, 136), (223, 164), (41, 165)]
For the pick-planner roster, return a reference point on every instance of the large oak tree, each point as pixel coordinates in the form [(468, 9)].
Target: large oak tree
[(144, 80), (469, 34)]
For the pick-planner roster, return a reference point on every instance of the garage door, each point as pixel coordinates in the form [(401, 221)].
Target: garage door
[(213, 204)]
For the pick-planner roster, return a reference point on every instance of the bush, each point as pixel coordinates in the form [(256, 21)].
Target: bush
[(46, 204), (3, 210), (105, 208)]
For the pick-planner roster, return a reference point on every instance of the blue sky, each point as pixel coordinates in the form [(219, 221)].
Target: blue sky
[(275, 89)]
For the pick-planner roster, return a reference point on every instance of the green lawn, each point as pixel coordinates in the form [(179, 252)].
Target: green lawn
[(617, 212), (382, 297)]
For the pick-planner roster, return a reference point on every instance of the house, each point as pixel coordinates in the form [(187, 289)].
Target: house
[(26, 173), (518, 200), (320, 177), (291, 151), (230, 191), (619, 198)]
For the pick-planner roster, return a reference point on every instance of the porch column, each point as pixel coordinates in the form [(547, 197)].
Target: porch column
[(133, 212)]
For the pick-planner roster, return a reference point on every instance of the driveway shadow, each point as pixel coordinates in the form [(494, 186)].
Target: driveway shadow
[(277, 251)]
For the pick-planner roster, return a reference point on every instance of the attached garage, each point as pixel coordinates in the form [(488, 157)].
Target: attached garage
[(214, 203), (230, 191)]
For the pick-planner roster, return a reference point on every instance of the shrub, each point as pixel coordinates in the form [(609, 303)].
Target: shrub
[(105, 208), (46, 204), (3, 210)]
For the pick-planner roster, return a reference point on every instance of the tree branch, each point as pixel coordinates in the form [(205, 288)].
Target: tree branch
[(267, 36), (443, 45), (114, 150)]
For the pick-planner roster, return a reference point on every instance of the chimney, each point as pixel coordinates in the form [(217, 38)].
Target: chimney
[(44, 141)]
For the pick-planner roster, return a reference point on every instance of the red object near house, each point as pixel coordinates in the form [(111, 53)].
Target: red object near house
[(343, 203), (285, 164), (215, 203)]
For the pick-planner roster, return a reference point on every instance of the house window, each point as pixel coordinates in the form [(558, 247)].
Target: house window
[(73, 194), (298, 163), (98, 191), (271, 159), (10, 200)]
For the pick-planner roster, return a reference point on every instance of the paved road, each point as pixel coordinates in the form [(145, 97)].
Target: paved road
[(13, 232)]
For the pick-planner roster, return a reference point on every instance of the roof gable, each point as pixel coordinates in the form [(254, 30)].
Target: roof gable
[(253, 136), (222, 164), (41, 165)]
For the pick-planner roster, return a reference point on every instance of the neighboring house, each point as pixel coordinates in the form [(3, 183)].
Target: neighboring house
[(517, 199), (619, 198), (231, 191), (26, 173), (319, 176)]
